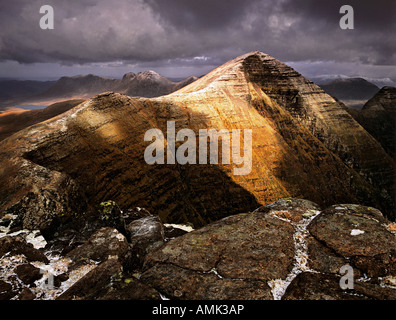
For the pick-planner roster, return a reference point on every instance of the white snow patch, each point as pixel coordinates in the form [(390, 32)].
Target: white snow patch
[(356, 232), (214, 271), (63, 123), (120, 237), (7, 265), (58, 265), (163, 297), (179, 226), (388, 282), (34, 237), (5, 229)]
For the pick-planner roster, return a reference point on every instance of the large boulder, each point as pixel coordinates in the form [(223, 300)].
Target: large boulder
[(180, 283), (250, 246), (145, 234), (229, 259), (285, 250), (28, 273), (317, 286), (6, 291), (146, 231), (360, 234), (18, 245), (103, 244), (292, 209), (95, 282), (110, 215), (130, 289)]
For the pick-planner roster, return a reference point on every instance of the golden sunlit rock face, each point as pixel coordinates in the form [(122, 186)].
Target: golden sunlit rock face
[(303, 145)]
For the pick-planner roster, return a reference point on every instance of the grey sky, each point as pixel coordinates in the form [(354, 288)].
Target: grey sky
[(178, 38)]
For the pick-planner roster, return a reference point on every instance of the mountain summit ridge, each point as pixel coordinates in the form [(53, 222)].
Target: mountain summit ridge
[(304, 144)]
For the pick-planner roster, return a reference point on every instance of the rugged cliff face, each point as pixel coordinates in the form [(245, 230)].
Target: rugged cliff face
[(304, 145), (324, 118), (378, 117)]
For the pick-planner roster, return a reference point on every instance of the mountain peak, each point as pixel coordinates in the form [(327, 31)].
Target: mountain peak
[(253, 53), (254, 66), (384, 99), (86, 76), (149, 75), (128, 76)]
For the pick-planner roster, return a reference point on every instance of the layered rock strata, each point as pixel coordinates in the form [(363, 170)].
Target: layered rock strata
[(304, 145)]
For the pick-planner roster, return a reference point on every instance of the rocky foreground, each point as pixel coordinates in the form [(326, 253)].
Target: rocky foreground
[(290, 249)]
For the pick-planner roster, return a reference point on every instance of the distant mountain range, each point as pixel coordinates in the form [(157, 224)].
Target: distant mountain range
[(379, 82), (354, 92), (12, 90), (147, 84)]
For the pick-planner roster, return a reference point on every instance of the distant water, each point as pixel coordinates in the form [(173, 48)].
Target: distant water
[(30, 107)]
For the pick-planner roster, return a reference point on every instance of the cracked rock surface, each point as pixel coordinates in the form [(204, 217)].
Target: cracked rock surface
[(285, 250), (289, 249)]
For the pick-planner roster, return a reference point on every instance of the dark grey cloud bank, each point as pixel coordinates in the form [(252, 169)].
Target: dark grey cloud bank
[(194, 36)]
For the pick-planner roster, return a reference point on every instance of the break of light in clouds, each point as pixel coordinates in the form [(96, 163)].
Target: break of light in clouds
[(178, 38)]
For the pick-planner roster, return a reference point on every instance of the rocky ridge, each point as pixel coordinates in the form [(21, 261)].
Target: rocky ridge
[(289, 249), (378, 117), (304, 144)]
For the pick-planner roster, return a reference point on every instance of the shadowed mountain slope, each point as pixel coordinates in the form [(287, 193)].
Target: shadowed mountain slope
[(354, 92), (378, 117), (18, 90)]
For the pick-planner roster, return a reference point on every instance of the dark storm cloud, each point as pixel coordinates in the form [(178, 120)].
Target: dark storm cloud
[(370, 15), (372, 41), (203, 14), (166, 32)]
